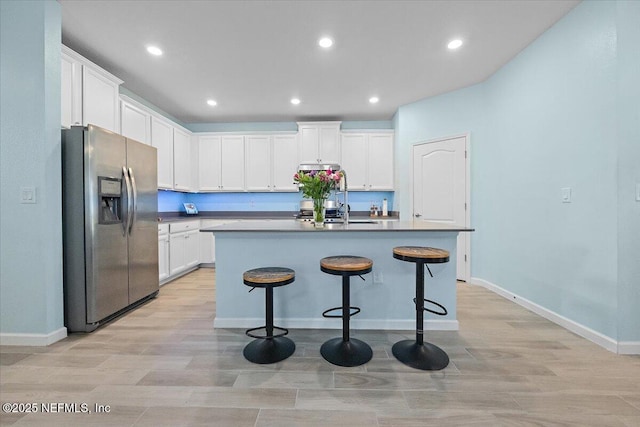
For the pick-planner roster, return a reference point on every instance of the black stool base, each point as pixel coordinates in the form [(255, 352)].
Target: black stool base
[(269, 350), (346, 353), (427, 357)]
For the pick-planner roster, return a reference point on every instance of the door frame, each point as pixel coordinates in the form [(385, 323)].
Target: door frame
[(467, 216)]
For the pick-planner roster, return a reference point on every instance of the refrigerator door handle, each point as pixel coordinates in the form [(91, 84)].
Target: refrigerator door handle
[(126, 224), (134, 206)]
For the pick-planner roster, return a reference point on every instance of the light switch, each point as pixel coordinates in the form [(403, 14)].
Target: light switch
[(27, 194), (566, 195), (638, 192)]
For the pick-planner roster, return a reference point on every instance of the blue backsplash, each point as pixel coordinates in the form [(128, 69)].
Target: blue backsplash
[(171, 201)]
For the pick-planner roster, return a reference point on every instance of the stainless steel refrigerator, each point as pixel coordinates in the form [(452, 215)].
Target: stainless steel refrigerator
[(110, 225)]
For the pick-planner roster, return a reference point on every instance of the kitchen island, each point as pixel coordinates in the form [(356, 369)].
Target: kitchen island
[(385, 296)]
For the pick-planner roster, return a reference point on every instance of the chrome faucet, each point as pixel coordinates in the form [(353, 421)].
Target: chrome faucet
[(345, 217)]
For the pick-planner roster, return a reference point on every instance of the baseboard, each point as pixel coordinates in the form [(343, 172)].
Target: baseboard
[(34, 340), (322, 323), (575, 327), (629, 347)]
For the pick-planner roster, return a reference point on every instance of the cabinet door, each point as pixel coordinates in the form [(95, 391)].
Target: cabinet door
[(177, 248), (71, 92), (380, 162), (258, 162), (162, 139), (232, 163), (163, 256), (329, 150), (285, 162), (100, 101), (209, 163), (192, 248), (207, 251), (309, 143), (354, 160), (135, 123), (181, 160)]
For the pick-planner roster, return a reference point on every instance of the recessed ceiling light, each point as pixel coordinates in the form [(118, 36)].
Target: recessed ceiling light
[(154, 50), (454, 44), (212, 102), (325, 42), (295, 101), (374, 99)]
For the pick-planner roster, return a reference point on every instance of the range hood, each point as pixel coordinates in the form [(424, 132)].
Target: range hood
[(308, 167)]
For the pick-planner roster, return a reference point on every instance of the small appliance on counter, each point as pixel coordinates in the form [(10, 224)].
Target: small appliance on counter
[(190, 209)]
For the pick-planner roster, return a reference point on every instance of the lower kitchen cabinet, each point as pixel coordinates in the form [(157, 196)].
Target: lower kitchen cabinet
[(184, 246), (163, 251)]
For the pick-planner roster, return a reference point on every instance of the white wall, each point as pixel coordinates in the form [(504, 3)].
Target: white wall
[(31, 304)]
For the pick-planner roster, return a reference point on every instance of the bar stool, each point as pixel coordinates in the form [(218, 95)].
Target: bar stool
[(345, 351), (419, 354), (270, 347)]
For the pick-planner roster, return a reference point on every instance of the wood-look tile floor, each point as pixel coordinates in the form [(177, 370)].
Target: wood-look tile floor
[(164, 365)]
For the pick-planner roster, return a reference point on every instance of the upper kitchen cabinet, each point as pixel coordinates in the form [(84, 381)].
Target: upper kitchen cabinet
[(181, 160), (319, 142), (221, 163), (367, 158), (162, 139), (90, 95), (135, 123), (271, 161)]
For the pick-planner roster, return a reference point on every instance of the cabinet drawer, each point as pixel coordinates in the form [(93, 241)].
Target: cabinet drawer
[(180, 227)]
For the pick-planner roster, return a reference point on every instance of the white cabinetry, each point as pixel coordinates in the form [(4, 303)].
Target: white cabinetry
[(208, 241), (90, 95), (163, 251), (319, 142), (271, 161), (162, 139), (181, 160), (367, 157), (221, 163), (135, 123), (184, 246)]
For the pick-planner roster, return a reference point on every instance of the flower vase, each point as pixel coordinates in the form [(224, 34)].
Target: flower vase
[(318, 213)]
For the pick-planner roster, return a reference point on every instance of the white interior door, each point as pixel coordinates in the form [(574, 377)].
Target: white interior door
[(440, 188)]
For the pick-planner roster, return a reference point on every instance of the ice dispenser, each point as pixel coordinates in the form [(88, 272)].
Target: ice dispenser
[(110, 196)]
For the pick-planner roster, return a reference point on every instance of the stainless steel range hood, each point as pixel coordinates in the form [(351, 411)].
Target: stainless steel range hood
[(308, 167)]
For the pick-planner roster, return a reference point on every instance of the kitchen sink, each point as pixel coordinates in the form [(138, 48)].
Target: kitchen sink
[(362, 221)]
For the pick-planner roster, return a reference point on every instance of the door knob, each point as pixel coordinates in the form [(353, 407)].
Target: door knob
[(417, 215)]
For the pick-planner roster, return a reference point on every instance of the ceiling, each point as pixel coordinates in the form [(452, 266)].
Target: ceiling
[(252, 57)]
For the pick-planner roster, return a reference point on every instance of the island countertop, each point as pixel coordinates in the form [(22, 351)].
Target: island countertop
[(358, 225)]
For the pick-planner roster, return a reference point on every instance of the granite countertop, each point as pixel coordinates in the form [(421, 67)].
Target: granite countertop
[(360, 225), (169, 217)]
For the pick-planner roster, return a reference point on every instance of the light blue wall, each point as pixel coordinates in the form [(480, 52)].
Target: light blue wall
[(170, 201), (545, 121), (628, 113), (31, 244)]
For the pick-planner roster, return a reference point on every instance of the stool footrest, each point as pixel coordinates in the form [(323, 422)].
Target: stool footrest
[(249, 332), (355, 311), (443, 311)]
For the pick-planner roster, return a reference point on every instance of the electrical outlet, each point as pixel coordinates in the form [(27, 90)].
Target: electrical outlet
[(27, 195), (377, 277)]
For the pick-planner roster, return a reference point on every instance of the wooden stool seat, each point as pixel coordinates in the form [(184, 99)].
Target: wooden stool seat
[(345, 263), (421, 254), (268, 276)]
